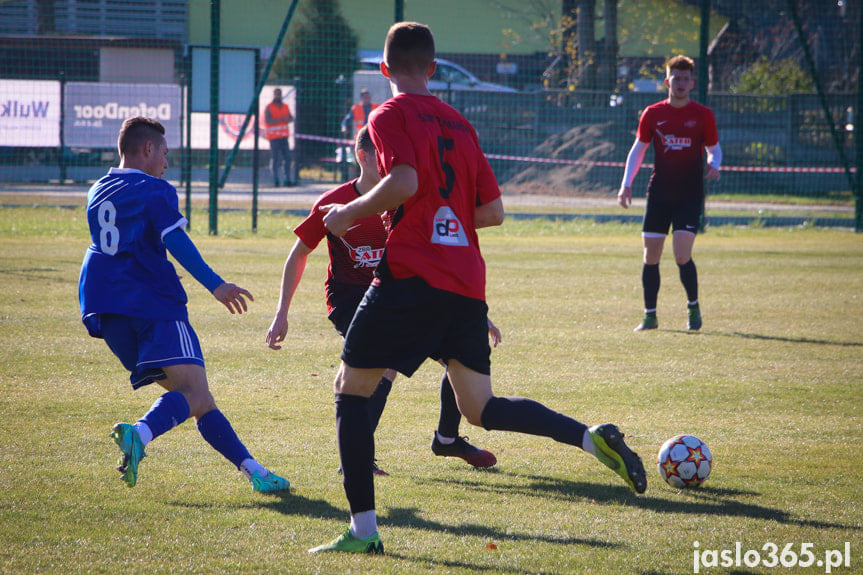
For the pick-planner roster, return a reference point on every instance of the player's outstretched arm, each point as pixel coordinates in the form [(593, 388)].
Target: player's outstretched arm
[(391, 192), (233, 297), (295, 265)]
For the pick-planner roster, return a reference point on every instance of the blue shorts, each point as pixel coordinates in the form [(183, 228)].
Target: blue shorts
[(401, 322), (680, 215), (145, 346)]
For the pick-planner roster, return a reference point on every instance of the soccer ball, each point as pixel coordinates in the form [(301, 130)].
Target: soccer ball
[(684, 461)]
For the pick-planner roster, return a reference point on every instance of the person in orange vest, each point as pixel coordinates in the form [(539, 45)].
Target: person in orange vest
[(358, 116), (277, 121)]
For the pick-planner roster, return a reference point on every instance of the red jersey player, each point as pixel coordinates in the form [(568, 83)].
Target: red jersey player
[(353, 260), (428, 297), (679, 130)]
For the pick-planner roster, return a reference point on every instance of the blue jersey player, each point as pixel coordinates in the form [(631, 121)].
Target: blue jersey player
[(132, 298)]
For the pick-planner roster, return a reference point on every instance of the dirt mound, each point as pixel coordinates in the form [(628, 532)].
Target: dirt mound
[(587, 143)]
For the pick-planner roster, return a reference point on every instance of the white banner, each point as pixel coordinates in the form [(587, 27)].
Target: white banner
[(30, 113)]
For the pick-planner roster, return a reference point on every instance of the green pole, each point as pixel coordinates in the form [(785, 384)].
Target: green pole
[(187, 151), (703, 80), (255, 152), (215, 23), (261, 81), (858, 134), (822, 97), (704, 73), (399, 10)]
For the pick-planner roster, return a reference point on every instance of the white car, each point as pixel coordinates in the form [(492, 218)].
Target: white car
[(448, 76)]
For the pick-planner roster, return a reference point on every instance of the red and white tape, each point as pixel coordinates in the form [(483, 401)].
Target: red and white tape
[(589, 163)]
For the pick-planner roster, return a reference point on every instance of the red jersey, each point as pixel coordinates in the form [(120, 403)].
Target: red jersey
[(679, 136), (433, 234), (353, 257)]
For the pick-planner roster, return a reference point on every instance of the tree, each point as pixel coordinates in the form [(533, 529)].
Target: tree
[(321, 56), (608, 56), (773, 78), (586, 22)]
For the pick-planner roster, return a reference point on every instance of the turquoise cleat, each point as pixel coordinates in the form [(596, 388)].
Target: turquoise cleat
[(127, 439), (269, 483)]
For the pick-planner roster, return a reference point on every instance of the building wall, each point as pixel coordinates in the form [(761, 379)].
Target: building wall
[(136, 65), (471, 26)]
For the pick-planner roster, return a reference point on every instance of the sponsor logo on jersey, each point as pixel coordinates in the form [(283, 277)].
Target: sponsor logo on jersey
[(364, 256), (672, 142), (447, 229)]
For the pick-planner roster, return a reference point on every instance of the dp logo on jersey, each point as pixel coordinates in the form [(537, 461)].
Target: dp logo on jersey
[(447, 229)]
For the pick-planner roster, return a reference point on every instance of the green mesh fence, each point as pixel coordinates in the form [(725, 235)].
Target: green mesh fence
[(556, 120)]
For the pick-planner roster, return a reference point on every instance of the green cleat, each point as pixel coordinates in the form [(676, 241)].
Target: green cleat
[(127, 439), (649, 322), (694, 323), (614, 454), (348, 543), (268, 483)]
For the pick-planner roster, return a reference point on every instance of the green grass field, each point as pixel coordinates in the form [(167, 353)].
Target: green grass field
[(773, 383)]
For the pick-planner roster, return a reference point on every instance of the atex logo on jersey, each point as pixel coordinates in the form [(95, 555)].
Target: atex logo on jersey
[(672, 142), (364, 256), (447, 228)]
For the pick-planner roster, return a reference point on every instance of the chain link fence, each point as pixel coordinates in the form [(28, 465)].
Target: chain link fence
[(783, 79)]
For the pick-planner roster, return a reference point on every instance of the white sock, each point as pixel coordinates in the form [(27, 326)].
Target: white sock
[(144, 432), (444, 440), (587, 443), (364, 524), (250, 466)]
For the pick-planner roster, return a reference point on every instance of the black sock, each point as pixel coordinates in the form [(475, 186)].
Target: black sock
[(378, 401), (356, 451), (524, 415), (650, 283), (450, 416), (689, 278)]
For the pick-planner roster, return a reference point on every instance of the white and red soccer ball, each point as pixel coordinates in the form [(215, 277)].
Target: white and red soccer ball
[(684, 461)]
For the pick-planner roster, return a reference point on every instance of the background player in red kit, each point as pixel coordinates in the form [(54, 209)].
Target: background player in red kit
[(353, 260), (679, 130), (428, 297)]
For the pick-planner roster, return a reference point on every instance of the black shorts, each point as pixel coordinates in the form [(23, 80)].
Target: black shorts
[(679, 215), (344, 306), (401, 322)]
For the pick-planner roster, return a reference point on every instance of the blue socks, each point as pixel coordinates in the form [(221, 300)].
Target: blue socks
[(217, 431), (166, 413)]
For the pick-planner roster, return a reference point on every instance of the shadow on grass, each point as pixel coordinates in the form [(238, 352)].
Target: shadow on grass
[(705, 500), (744, 335), (407, 517)]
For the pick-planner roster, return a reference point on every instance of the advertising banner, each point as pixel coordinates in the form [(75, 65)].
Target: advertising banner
[(230, 124), (30, 113), (94, 113)]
